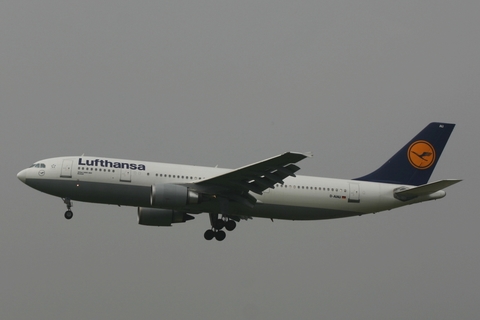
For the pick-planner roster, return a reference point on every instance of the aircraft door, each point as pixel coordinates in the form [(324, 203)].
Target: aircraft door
[(66, 169), (354, 195), (125, 175)]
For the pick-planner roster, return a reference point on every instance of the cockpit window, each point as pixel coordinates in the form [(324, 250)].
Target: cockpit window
[(38, 165)]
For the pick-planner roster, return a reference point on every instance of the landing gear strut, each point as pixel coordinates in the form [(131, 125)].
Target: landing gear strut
[(68, 213)]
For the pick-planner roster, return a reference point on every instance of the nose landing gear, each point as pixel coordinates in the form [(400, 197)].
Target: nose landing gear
[(68, 213)]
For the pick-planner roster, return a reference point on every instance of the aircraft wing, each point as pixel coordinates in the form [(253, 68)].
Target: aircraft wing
[(257, 177)]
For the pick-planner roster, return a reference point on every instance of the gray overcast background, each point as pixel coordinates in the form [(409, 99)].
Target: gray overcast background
[(229, 83)]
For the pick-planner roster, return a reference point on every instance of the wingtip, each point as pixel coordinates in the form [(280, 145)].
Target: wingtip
[(304, 154)]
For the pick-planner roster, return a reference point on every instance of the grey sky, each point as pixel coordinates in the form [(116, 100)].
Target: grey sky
[(229, 83)]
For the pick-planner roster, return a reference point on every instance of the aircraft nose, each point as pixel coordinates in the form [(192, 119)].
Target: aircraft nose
[(22, 175)]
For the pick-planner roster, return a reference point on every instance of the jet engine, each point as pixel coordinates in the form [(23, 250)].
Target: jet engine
[(172, 196), (161, 217)]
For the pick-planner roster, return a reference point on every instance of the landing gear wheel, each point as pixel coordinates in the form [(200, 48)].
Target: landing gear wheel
[(219, 224), (230, 225), (68, 214), (209, 234), (220, 235)]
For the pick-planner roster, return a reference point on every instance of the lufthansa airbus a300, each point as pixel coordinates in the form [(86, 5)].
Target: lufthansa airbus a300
[(166, 194)]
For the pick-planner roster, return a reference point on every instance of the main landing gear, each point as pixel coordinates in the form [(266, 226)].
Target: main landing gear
[(68, 213), (217, 226)]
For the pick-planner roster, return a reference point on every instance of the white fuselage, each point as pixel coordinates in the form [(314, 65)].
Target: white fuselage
[(128, 182)]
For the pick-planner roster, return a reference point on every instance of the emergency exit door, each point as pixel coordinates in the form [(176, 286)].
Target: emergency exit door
[(125, 175)]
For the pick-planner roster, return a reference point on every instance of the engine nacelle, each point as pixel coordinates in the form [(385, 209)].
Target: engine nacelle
[(161, 217), (172, 196)]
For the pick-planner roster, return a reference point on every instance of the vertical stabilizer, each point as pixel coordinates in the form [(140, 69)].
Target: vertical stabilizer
[(415, 162)]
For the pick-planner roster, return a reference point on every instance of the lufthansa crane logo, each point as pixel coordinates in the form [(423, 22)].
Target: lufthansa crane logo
[(421, 154)]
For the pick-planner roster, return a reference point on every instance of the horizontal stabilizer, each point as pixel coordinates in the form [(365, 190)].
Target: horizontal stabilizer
[(423, 190)]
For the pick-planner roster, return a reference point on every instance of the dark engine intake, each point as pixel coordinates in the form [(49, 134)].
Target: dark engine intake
[(161, 217), (172, 196)]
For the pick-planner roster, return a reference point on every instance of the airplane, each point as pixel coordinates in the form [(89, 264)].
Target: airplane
[(167, 194)]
